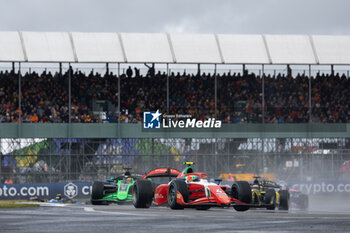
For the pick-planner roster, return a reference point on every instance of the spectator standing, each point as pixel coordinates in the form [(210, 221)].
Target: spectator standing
[(129, 72), (137, 72), (151, 71)]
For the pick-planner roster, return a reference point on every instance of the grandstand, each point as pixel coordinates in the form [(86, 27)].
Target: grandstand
[(293, 122)]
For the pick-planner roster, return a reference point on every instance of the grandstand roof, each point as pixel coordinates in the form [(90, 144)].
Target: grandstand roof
[(11, 47), (243, 49), (173, 48), (142, 47), (47, 46)]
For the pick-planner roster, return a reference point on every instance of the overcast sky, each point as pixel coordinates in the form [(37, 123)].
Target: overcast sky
[(187, 16)]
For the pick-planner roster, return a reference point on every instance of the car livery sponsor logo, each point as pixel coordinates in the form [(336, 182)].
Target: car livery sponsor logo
[(70, 190), (218, 191), (207, 192), (178, 196), (222, 195), (158, 195)]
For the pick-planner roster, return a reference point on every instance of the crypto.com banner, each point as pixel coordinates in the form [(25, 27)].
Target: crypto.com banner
[(340, 187), (45, 190)]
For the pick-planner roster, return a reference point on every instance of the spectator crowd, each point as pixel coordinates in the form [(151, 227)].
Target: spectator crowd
[(45, 97)]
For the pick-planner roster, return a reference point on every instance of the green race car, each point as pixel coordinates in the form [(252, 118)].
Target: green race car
[(114, 190)]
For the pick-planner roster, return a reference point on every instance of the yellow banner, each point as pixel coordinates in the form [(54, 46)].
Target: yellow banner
[(245, 176)]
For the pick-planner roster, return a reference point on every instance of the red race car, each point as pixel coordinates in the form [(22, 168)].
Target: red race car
[(191, 189)]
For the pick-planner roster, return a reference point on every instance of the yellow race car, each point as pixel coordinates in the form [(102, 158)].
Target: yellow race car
[(268, 194)]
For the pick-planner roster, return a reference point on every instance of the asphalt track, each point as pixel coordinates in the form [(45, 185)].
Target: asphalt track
[(125, 218)]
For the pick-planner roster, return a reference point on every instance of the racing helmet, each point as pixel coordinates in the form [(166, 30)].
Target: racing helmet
[(127, 173), (192, 178)]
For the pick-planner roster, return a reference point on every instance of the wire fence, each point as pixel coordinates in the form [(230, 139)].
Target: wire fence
[(60, 160)]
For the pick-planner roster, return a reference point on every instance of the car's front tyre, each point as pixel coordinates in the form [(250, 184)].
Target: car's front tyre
[(270, 199), (97, 193), (174, 187), (241, 191)]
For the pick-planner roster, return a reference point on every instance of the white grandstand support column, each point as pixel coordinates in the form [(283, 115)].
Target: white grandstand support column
[(263, 95), (19, 99), (309, 140), (69, 99), (310, 88), (310, 103), (118, 72), (109, 151), (216, 91), (70, 71), (167, 88), (263, 118)]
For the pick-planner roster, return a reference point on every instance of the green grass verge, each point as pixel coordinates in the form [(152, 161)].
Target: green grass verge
[(13, 204), (18, 205)]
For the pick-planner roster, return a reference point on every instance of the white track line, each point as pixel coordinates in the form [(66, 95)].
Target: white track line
[(46, 204), (90, 209)]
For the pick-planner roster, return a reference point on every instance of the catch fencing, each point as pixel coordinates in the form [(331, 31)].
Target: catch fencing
[(86, 160)]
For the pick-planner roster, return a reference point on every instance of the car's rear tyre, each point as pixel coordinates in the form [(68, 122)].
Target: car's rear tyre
[(241, 191), (202, 207), (270, 199), (284, 200), (174, 187), (142, 194)]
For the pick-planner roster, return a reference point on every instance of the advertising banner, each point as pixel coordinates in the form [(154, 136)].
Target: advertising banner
[(322, 187), (45, 190)]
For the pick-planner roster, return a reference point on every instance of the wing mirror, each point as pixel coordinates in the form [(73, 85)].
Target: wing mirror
[(218, 180)]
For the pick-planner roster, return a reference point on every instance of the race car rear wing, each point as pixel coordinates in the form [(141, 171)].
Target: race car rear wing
[(162, 172)]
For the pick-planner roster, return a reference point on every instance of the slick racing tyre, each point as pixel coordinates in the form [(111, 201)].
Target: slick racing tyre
[(99, 202), (174, 186), (270, 199), (284, 200), (142, 194), (97, 190), (241, 191), (97, 193)]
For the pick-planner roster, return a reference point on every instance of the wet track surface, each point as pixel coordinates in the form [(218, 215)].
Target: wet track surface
[(125, 218)]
